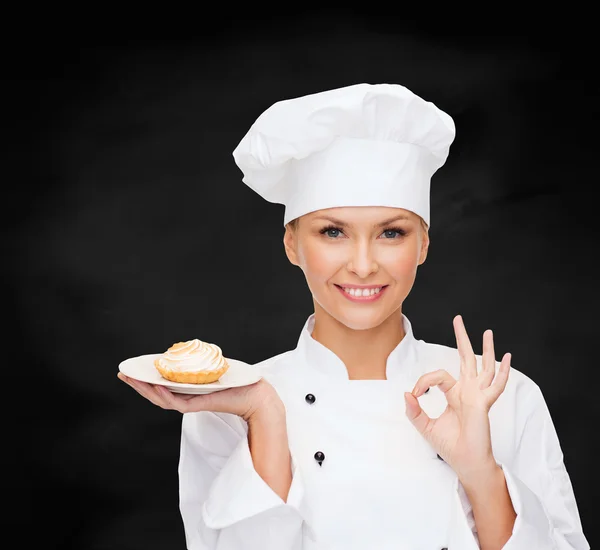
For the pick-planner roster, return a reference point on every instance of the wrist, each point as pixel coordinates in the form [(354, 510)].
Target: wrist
[(482, 476), (269, 446), (269, 407), (268, 413)]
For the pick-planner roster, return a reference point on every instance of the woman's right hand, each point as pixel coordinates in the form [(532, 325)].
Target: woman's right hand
[(247, 402)]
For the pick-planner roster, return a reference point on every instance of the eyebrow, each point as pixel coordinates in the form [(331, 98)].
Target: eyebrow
[(342, 223)]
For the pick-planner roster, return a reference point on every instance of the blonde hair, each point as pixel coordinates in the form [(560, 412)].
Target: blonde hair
[(294, 223)]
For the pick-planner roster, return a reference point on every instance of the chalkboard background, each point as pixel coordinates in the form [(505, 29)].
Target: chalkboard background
[(126, 227)]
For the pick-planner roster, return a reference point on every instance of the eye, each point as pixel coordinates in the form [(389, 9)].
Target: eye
[(398, 230), (335, 230), (330, 228)]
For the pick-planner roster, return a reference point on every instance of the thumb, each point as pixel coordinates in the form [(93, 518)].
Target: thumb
[(415, 413)]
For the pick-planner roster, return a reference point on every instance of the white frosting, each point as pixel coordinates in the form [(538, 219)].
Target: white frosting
[(193, 355)]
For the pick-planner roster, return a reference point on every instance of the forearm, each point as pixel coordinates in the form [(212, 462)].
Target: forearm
[(492, 509), (268, 442)]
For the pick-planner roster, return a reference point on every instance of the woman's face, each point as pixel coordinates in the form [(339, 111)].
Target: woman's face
[(361, 245)]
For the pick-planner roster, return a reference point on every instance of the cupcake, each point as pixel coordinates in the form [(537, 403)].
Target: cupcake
[(192, 362)]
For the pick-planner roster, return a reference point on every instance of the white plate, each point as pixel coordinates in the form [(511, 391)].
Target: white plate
[(142, 368)]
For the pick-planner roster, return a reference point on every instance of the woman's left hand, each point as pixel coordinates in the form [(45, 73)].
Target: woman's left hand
[(461, 434)]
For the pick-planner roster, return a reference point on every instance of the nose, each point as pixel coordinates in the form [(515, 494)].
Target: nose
[(362, 260)]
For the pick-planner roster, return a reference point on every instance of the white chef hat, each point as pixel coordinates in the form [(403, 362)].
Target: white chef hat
[(361, 145)]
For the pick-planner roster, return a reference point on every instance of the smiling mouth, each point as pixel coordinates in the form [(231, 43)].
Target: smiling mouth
[(360, 297)]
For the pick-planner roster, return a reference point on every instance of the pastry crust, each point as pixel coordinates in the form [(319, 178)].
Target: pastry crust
[(191, 377)]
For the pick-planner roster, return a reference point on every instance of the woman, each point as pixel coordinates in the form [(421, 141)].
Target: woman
[(364, 436)]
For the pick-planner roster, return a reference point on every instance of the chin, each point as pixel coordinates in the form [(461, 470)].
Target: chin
[(361, 322), (355, 319)]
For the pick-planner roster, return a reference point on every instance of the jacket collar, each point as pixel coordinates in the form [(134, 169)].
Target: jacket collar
[(402, 362)]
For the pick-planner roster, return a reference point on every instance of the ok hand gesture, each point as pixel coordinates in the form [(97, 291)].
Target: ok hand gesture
[(461, 435)]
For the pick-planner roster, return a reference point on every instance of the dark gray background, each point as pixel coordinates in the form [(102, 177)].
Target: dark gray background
[(127, 227)]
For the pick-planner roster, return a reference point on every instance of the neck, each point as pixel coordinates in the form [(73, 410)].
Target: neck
[(364, 352)]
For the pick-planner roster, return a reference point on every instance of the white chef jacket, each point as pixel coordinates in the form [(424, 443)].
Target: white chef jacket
[(379, 484)]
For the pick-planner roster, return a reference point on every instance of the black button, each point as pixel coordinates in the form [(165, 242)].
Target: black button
[(426, 392), (310, 398), (319, 457)]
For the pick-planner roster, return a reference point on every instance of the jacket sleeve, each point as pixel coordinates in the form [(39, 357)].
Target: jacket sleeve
[(224, 503), (539, 487)]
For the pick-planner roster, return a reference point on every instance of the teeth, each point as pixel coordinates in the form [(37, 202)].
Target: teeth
[(364, 292)]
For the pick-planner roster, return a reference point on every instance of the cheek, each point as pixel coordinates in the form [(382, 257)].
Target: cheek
[(402, 260), (402, 265), (319, 263)]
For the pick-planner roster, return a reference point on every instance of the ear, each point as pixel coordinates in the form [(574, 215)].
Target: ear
[(424, 246), (289, 243)]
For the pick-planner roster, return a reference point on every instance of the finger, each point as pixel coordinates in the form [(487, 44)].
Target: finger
[(499, 384), (468, 363), (441, 378), (149, 392), (146, 390), (417, 416), (124, 378), (489, 360), (184, 403), (232, 401), (223, 401), (179, 403)]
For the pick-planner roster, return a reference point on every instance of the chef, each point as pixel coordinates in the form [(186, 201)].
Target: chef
[(364, 436)]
